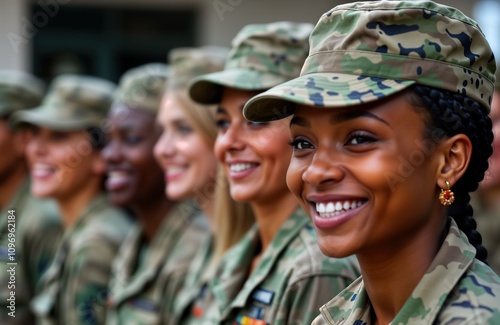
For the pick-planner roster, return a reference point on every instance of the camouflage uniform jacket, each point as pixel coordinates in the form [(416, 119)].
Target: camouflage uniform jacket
[(143, 291), (457, 289), (290, 283), (74, 288), (37, 230), (194, 282)]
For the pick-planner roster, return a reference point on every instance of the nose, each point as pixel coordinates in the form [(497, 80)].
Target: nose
[(164, 147), (230, 139), (36, 146), (111, 152), (324, 169)]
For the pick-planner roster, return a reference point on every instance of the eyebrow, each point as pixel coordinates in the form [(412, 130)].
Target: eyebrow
[(350, 115), (338, 118)]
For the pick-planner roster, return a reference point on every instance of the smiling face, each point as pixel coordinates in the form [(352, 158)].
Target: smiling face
[(62, 163), (255, 156), (134, 176), (366, 176), (185, 155)]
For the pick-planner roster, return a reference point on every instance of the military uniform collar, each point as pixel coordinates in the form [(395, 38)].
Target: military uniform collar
[(453, 259), (238, 262), (171, 228)]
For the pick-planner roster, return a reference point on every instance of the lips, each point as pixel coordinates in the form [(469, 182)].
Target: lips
[(42, 170), (174, 172), (117, 179), (332, 211), (240, 169)]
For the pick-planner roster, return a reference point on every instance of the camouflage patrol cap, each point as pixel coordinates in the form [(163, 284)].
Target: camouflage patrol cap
[(190, 62), (142, 87), (262, 56), (73, 102), (19, 90), (364, 51)]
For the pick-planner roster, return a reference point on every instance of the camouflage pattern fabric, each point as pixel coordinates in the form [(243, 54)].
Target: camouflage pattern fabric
[(142, 87), (363, 51), (194, 282), (75, 287), (262, 56), (37, 229), (190, 62), (464, 291), (488, 225), (290, 283), (143, 290), (19, 90), (73, 102)]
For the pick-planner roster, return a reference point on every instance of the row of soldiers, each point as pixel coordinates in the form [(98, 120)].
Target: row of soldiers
[(155, 201)]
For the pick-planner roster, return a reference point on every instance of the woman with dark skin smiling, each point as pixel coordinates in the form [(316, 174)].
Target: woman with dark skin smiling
[(390, 132), (151, 264)]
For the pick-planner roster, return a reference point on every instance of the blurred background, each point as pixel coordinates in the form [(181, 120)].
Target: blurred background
[(107, 37)]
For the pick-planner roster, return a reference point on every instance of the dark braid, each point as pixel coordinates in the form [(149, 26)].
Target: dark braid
[(451, 114)]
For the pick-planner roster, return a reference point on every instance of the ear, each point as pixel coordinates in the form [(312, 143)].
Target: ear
[(98, 163), (456, 151)]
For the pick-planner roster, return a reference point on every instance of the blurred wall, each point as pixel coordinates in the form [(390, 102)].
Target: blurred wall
[(217, 20)]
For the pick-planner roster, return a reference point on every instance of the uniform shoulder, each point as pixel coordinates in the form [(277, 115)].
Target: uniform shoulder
[(306, 259), (475, 298)]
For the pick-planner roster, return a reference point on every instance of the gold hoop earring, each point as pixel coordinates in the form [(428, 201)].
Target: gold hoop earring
[(446, 197)]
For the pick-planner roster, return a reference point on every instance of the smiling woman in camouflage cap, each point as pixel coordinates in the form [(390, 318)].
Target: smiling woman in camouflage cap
[(141, 275), (64, 156), (34, 222), (276, 273), (185, 151), (390, 132)]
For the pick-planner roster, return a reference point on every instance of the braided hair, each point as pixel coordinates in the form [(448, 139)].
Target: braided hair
[(450, 114)]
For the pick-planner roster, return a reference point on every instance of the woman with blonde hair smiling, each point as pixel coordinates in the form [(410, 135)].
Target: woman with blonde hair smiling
[(276, 273), (185, 151)]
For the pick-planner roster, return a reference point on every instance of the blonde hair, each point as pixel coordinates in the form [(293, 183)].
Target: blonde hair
[(232, 219)]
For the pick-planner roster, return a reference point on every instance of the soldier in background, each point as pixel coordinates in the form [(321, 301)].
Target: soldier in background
[(487, 200), (152, 262), (275, 274), (185, 151), (31, 226), (64, 156)]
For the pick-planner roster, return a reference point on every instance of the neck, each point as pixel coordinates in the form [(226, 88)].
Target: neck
[(207, 206), (10, 184), (271, 215), (392, 273), (152, 214), (74, 205)]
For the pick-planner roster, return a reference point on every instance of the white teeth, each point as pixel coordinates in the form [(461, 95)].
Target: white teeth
[(331, 209), (174, 169), (42, 167), (240, 167), (117, 174)]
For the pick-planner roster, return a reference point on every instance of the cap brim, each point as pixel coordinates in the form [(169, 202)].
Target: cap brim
[(207, 89), (46, 119), (319, 90)]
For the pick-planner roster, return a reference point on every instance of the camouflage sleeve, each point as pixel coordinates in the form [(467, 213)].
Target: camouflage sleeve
[(301, 301), (85, 294), (40, 243)]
